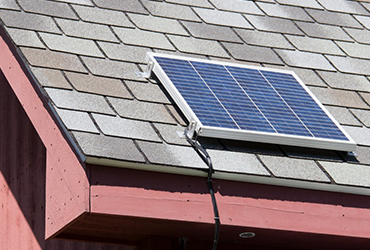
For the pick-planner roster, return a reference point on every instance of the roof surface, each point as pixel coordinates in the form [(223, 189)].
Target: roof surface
[(84, 54)]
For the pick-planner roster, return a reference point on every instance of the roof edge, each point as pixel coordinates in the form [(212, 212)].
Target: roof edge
[(40, 93), (231, 176)]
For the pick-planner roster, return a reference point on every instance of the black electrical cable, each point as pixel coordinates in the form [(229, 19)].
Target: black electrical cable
[(207, 159)]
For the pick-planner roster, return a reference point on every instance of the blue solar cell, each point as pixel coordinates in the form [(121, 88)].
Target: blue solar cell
[(244, 112), (251, 99), (308, 111), (282, 118), (196, 93)]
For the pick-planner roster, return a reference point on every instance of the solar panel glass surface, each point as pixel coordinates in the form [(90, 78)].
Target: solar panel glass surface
[(249, 99)]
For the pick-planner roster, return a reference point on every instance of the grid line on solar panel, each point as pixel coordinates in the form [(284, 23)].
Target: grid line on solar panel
[(194, 91), (252, 99), (268, 101), (221, 103), (239, 106), (303, 105)]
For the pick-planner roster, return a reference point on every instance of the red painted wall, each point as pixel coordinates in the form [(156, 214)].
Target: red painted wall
[(22, 183)]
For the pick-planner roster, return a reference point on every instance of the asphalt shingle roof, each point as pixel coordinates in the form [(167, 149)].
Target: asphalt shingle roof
[(84, 54)]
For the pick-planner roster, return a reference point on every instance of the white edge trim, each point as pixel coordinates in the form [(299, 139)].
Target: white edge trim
[(255, 136), (267, 180)]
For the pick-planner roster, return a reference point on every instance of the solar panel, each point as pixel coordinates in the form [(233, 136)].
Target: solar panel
[(235, 101)]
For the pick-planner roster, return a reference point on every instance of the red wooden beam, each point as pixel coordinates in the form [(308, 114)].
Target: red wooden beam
[(242, 206)]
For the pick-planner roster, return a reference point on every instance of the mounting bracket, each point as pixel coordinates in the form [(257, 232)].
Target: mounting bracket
[(148, 72)]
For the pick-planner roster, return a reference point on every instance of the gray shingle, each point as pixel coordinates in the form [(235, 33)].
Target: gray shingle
[(127, 5), (360, 35), (309, 77), (116, 126), (363, 116), (86, 30), (9, 4), (198, 46), (159, 24), (304, 43), (289, 12), (274, 24), (301, 3), (348, 174), (214, 32), (75, 120), (305, 59), (29, 21), (49, 8), (343, 6), (82, 2), (338, 97), (98, 85), (143, 38), (236, 162), (285, 167), (355, 49), (109, 68), (267, 39), (366, 97), (103, 16), (361, 135), (170, 135), (79, 101), (51, 78), (345, 81), (178, 53), (366, 4), (194, 3), (324, 31), (51, 59), (248, 7), (350, 65), (343, 116), (71, 45), (363, 154), (147, 92), (170, 10), (142, 110), (223, 18), (334, 18), (25, 38), (108, 147), (162, 153), (252, 53), (124, 52), (176, 114)]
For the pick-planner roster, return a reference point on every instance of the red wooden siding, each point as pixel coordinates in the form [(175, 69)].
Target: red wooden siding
[(22, 183), (22, 166), (128, 206), (67, 187)]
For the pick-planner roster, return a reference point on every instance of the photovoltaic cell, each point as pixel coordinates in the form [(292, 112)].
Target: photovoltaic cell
[(249, 99)]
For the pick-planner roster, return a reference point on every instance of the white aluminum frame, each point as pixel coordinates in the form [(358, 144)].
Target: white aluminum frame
[(247, 135)]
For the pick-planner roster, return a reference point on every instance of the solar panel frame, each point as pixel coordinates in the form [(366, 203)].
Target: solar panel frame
[(243, 134)]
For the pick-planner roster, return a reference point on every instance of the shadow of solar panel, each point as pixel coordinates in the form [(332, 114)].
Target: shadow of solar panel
[(240, 102)]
